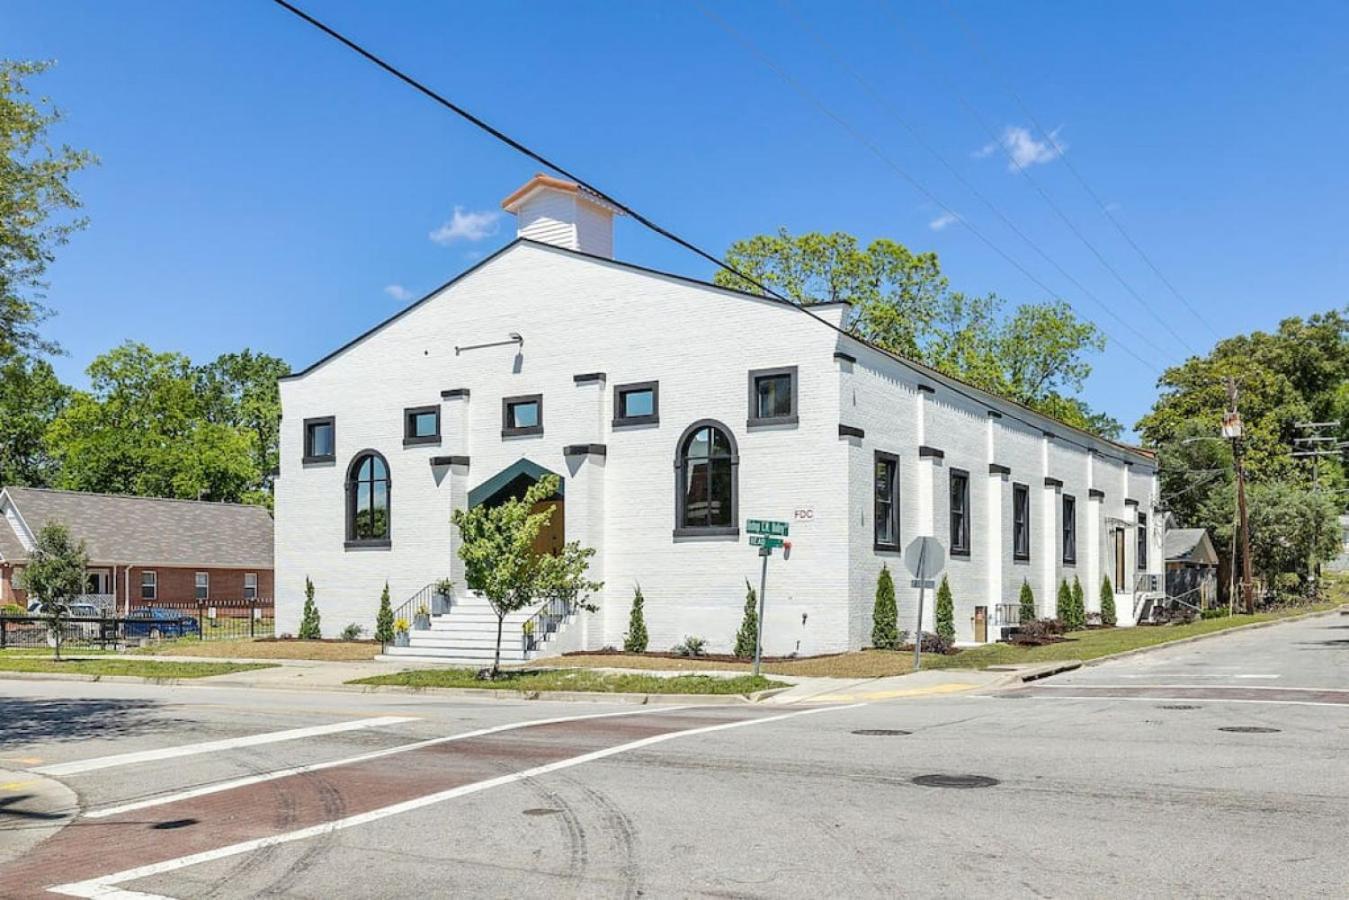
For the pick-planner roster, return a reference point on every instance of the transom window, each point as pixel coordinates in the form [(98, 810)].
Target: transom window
[(960, 512), (320, 443), (368, 501), (202, 585), (637, 404), (1020, 521), (772, 396), (706, 481), (1142, 554), (522, 415), (149, 584), (421, 425), (1069, 529), (886, 536)]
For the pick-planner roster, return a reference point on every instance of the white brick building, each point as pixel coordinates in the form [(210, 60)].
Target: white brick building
[(528, 361)]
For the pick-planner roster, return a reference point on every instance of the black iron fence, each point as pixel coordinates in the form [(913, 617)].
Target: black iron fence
[(210, 620)]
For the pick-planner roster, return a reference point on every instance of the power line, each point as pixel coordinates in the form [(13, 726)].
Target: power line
[(880, 100), (1101, 204), (880, 154)]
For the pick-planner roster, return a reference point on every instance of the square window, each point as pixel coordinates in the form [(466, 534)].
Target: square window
[(522, 415), (203, 586), (149, 584), (320, 439), (421, 425), (886, 502), (637, 404), (960, 512), (772, 396), (250, 585)]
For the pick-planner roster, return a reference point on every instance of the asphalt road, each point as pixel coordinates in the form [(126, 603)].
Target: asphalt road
[(1114, 780)]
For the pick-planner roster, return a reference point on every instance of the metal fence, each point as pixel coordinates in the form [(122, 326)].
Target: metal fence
[(210, 620)]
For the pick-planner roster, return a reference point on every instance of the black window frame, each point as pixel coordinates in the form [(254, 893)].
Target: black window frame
[(373, 543), (960, 542), (1069, 528), (1021, 498), (509, 430), (309, 424), (682, 529), (1141, 545), (153, 585), (791, 418), (622, 390), (410, 415), (879, 515)]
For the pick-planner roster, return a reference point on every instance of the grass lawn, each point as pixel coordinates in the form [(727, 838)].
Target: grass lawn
[(1082, 645), (144, 668), (577, 680), (332, 651)]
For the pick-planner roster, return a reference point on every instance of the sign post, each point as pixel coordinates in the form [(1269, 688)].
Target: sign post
[(765, 535), (925, 557)]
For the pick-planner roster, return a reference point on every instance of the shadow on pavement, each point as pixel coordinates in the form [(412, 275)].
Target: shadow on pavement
[(33, 721)]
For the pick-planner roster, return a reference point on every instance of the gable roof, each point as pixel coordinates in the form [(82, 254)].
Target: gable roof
[(146, 530), (1189, 545)]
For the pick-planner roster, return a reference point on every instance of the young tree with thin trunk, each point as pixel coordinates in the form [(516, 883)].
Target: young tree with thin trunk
[(55, 577), (636, 639), (311, 627)]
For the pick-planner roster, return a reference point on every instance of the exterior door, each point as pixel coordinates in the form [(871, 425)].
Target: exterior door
[(1119, 560), (553, 535), (981, 624)]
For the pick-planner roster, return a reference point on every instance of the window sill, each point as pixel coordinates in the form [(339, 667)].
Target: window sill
[(771, 420), (960, 553), (635, 420), (421, 441), (715, 531), (1070, 562), (531, 431), (1016, 558), (374, 544), (885, 548), (318, 460)]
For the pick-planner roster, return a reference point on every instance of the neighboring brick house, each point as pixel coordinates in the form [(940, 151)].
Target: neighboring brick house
[(143, 551), (673, 410)]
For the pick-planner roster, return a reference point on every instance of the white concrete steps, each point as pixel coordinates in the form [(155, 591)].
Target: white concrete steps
[(467, 636)]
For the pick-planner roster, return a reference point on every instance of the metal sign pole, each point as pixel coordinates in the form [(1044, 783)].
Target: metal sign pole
[(764, 552), (922, 590)]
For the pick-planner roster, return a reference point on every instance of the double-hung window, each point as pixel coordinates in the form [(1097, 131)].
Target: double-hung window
[(250, 585), (149, 585), (421, 425), (960, 512), (202, 586), (1069, 529), (886, 501), (1020, 522), (1142, 554)]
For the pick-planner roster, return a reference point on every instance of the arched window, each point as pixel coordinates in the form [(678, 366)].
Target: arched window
[(706, 481), (368, 501)]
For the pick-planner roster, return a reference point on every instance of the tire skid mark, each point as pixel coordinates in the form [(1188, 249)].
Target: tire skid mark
[(624, 835)]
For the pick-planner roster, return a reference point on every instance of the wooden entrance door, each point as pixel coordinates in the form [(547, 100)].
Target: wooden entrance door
[(981, 624), (553, 535)]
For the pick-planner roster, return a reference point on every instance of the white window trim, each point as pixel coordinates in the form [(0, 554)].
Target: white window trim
[(195, 585), (154, 584), (254, 586)]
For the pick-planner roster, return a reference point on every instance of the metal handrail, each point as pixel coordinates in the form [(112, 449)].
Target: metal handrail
[(544, 623), (1007, 614), (407, 609)]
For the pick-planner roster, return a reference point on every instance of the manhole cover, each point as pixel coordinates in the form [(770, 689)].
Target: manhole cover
[(881, 732), (1249, 729), (1179, 706), (542, 811), (173, 823), (955, 781)]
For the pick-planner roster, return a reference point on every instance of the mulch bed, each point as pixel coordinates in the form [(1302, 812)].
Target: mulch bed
[(708, 657), (287, 639)]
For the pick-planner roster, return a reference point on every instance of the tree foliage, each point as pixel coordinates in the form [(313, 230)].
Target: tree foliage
[(946, 612), (636, 639), (884, 614), (55, 577), (748, 635), (1108, 615), (903, 303), (1079, 604), (311, 626), (241, 390), (1027, 603), (36, 198), (384, 618), (31, 397)]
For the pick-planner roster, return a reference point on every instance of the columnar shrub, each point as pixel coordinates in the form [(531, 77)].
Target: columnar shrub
[(1079, 605), (384, 620), (635, 641), (1107, 602), (1027, 611), (1063, 604), (946, 612), (310, 627), (748, 634), (885, 615)]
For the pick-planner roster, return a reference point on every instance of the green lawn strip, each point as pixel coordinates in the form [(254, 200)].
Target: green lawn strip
[(143, 668), (1087, 645), (576, 680), (9, 652)]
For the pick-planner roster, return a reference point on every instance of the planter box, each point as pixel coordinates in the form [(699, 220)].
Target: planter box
[(421, 622), (440, 604), (400, 639)]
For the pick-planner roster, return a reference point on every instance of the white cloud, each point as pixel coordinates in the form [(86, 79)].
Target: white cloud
[(1023, 149), (943, 220), (467, 226), (398, 292)]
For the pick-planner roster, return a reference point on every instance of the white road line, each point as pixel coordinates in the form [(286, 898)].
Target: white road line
[(1195, 675), (1201, 700), (80, 766), (1189, 687), (230, 785), (101, 887)]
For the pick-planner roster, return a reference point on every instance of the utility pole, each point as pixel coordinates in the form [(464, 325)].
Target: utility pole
[(1312, 445), (1232, 430)]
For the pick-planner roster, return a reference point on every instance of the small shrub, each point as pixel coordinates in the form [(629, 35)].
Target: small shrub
[(946, 612), (311, 629), (748, 635), (1027, 602), (1039, 631), (885, 615), (1079, 605), (1107, 602), (401, 626), (1063, 604), (351, 633), (384, 619), (12, 609), (636, 638), (1216, 612), (936, 643), (691, 646)]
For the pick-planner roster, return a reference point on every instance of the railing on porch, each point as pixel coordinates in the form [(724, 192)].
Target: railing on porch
[(1149, 583), (1006, 614), (407, 610), (544, 623)]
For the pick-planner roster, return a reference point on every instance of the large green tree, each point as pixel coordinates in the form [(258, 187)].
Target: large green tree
[(240, 390), (1036, 355), (37, 204), (31, 396), (144, 428)]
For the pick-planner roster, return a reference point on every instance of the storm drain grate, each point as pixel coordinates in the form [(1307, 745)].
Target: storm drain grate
[(174, 823), (881, 732), (1249, 729), (1179, 706), (541, 811), (955, 781)]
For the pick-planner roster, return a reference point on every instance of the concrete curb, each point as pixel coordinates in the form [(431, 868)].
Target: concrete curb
[(26, 792)]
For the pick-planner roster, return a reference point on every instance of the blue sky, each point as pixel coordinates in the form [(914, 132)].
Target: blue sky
[(261, 186)]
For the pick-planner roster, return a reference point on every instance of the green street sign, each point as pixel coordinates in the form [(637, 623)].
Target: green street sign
[(763, 540), (766, 526)]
